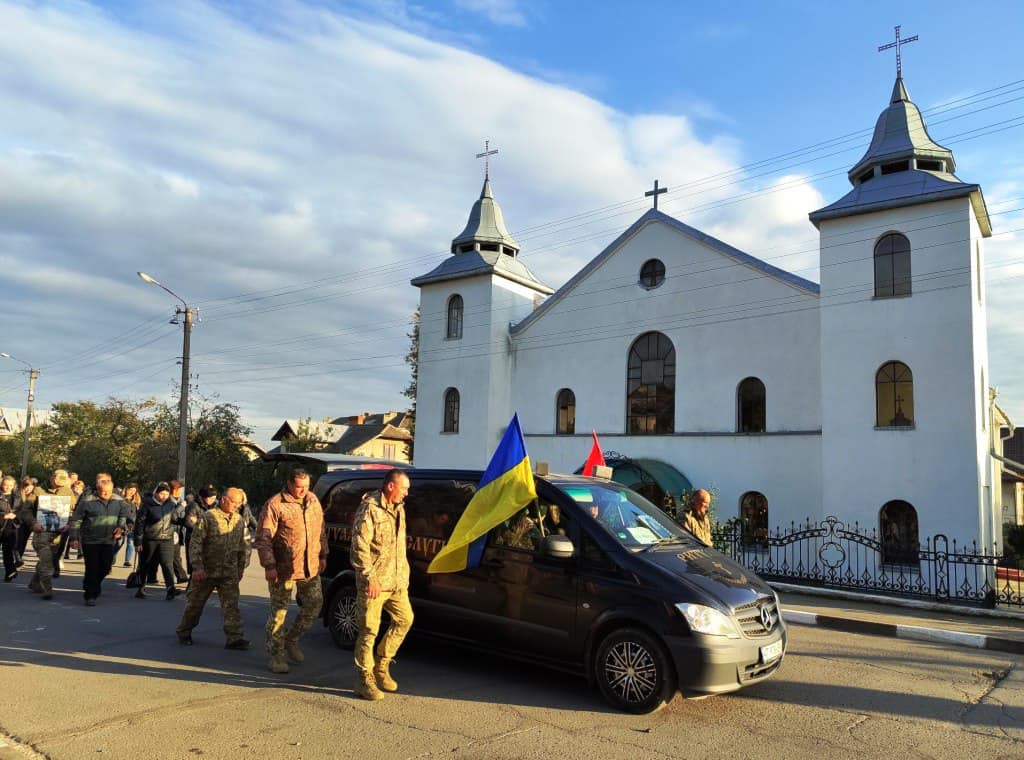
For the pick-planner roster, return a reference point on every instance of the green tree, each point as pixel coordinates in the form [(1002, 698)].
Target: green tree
[(412, 358)]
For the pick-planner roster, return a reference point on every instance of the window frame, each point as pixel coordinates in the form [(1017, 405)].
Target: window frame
[(740, 420), (649, 280), (664, 418), (901, 557), (455, 313), (898, 403), (569, 426), (754, 538), (880, 258), (452, 410)]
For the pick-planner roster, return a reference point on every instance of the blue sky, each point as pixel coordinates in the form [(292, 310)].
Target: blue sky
[(289, 166)]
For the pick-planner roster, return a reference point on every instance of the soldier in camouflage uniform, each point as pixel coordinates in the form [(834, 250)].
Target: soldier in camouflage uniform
[(382, 582), (219, 550), (292, 546), (43, 540)]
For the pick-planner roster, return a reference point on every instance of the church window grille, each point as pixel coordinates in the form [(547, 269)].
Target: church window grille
[(652, 274), (651, 385), (894, 396), (898, 528), (892, 266), (754, 519), (565, 420), (455, 311), (451, 411), (750, 406)]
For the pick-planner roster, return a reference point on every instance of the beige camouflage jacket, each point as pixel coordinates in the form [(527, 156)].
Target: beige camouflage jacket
[(698, 526), (378, 544), (219, 544)]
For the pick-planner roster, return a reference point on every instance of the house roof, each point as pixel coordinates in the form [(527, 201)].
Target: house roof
[(474, 263), (359, 435), (650, 217), (290, 428)]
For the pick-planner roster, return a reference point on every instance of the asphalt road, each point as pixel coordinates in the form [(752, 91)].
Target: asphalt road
[(111, 681)]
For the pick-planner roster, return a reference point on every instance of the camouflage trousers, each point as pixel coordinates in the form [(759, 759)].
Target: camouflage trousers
[(368, 614), (310, 597), (195, 601), (42, 579)]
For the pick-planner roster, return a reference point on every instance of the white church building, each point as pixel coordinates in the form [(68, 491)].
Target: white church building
[(864, 397)]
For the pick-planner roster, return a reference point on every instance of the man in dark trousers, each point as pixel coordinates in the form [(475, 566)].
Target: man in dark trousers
[(97, 523), (158, 519)]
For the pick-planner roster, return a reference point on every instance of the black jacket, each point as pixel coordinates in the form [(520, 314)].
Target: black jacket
[(7, 504), (156, 521)]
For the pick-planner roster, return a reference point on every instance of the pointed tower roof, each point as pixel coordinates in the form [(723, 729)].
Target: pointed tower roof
[(486, 224), (903, 166)]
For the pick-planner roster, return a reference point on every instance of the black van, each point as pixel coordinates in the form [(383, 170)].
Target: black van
[(591, 578)]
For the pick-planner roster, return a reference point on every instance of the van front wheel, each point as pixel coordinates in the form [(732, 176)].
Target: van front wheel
[(633, 671), (341, 618)]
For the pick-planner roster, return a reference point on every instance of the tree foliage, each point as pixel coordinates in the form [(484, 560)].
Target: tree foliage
[(413, 360)]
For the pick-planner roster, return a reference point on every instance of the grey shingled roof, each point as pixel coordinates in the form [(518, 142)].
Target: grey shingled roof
[(651, 216), (473, 263), (486, 223), (359, 435)]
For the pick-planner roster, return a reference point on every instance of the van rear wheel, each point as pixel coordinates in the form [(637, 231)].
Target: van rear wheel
[(633, 671)]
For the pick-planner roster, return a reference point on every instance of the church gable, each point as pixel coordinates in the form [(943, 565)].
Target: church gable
[(657, 249)]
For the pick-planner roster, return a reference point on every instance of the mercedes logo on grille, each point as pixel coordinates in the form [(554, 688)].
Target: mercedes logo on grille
[(766, 618)]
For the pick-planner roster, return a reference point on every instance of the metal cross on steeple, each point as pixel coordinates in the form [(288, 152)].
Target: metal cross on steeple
[(655, 193), (898, 44), (486, 156)]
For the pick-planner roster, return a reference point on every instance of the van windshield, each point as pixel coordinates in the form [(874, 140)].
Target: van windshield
[(629, 517)]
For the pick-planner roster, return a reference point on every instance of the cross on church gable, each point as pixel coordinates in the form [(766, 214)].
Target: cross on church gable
[(655, 193), (899, 43), (486, 156)]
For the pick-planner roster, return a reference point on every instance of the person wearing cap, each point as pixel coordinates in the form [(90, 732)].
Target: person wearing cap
[(44, 536), (158, 518), (193, 514), (97, 524)]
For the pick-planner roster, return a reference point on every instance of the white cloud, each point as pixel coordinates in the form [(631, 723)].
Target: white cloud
[(502, 12)]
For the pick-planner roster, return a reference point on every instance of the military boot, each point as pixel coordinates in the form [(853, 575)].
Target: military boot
[(291, 648), (278, 664), (366, 686), (383, 676)]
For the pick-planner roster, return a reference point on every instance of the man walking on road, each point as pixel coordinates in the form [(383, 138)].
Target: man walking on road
[(99, 521), (382, 582), (292, 546), (219, 551), (44, 535)]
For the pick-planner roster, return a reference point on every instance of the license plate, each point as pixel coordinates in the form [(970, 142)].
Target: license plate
[(772, 651)]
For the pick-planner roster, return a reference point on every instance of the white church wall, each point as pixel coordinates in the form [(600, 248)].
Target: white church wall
[(933, 466)]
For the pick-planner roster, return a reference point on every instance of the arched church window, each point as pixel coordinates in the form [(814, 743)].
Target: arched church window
[(892, 266), (651, 385), (898, 527), (565, 416), (451, 411), (754, 519), (652, 274), (454, 331), (894, 396), (750, 406)]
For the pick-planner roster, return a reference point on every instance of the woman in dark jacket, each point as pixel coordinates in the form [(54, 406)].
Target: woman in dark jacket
[(158, 518), (25, 501), (131, 495), (9, 527)]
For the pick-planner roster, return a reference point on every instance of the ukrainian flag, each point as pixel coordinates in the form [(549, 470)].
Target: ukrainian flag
[(506, 487)]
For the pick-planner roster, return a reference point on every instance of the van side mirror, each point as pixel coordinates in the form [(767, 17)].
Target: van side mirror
[(556, 547)]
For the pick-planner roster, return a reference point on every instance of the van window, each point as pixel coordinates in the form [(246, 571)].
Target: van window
[(525, 529), (434, 507), (341, 505)]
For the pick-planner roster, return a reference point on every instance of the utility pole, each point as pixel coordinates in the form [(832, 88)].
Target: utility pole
[(33, 373), (190, 315), (183, 397)]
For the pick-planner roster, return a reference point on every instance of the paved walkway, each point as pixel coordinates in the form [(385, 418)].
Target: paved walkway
[(884, 619)]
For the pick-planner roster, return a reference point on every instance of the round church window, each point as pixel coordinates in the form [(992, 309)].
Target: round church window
[(652, 274)]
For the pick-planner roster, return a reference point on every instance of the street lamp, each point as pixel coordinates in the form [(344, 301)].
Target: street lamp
[(189, 315), (33, 373)]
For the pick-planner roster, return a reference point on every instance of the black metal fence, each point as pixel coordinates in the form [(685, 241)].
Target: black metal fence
[(832, 554)]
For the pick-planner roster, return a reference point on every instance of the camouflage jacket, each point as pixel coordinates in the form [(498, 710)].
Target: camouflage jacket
[(219, 544), (292, 537), (378, 544), (698, 526)]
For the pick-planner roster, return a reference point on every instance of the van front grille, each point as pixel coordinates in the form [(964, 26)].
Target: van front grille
[(751, 619)]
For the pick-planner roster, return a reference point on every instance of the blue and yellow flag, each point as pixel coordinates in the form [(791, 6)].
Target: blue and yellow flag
[(506, 487)]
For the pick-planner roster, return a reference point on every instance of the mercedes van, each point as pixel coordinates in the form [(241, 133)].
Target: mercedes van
[(590, 578)]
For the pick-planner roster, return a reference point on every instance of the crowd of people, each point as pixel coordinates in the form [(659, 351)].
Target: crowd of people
[(218, 531)]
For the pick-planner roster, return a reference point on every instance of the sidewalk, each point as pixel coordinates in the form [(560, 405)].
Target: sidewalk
[(881, 619)]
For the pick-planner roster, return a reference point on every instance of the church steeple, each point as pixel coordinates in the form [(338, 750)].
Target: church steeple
[(485, 230), (901, 143)]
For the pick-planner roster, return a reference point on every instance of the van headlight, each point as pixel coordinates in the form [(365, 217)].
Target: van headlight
[(707, 620)]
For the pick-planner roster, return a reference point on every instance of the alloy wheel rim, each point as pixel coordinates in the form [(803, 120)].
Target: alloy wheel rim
[(630, 671), (345, 617)]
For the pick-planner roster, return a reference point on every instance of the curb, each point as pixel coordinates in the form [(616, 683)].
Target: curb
[(914, 632)]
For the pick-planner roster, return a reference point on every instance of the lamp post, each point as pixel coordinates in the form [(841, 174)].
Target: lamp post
[(189, 315), (33, 373)]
